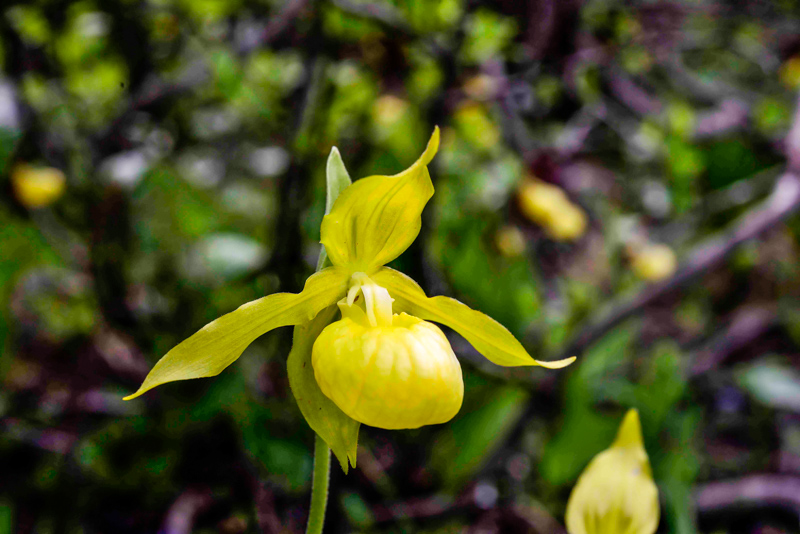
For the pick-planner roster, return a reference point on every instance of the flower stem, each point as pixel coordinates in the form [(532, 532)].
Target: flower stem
[(319, 486)]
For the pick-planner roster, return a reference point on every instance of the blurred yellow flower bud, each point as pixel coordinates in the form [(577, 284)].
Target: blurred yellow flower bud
[(616, 494), (790, 72), (383, 370), (654, 262), (481, 87), (388, 110), (476, 125), (548, 206), (568, 225), (37, 187), (510, 241)]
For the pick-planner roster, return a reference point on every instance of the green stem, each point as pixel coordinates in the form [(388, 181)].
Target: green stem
[(319, 486)]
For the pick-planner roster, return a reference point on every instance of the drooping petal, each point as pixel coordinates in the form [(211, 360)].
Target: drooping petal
[(338, 430), (374, 220), (218, 344), (489, 337)]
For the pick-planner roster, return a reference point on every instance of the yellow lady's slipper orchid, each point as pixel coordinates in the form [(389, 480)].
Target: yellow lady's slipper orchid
[(381, 364), (616, 493)]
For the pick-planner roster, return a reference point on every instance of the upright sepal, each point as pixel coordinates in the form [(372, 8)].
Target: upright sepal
[(218, 344), (338, 430), (374, 220), (489, 337)]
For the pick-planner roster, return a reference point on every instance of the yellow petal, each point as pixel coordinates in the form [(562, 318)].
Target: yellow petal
[(402, 375), (489, 337), (630, 431), (218, 344), (374, 220), (616, 492)]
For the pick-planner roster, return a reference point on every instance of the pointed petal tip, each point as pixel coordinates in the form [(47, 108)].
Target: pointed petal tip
[(558, 364), (432, 148), (630, 430)]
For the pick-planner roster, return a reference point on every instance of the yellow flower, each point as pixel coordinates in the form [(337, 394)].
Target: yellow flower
[(37, 187), (616, 493), (548, 206), (381, 363), (654, 262)]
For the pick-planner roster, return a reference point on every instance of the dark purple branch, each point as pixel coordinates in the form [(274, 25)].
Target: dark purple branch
[(754, 490)]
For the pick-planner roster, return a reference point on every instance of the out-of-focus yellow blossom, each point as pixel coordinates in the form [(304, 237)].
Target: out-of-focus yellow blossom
[(37, 187), (481, 87), (388, 110), (510, 241), (654, 262), (790, 72), (548, 206), (616, 494), (381, 363), (476, 126)]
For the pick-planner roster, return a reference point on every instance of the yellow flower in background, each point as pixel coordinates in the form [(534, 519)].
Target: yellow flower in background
[(510, 241), (381, 363), (616, 494), (654, 262), (790, 72), (548, 206), (37, 187)]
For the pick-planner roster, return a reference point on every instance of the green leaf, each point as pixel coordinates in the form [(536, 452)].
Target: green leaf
[(338, 430), (465, 444), (337, 179)]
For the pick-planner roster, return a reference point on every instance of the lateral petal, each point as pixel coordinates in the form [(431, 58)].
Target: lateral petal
[(374, 220), (489, 337), (219, 343)]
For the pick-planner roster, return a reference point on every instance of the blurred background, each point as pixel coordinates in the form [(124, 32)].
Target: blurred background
[(615, 182)]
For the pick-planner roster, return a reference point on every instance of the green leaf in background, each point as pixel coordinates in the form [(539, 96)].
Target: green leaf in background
[(504, 289), (685, 163), (6, 518), (336, 179), (584, 432), (487, 34), (463, 446), (732, 159), (338, 430), (23, 247), (358, 512), (8, 141)]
